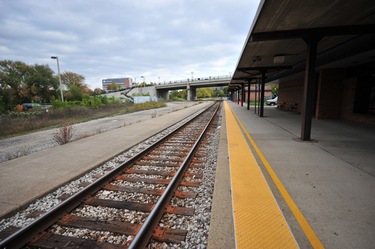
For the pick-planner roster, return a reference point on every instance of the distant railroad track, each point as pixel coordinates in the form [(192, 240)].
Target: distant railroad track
[(149, 185)]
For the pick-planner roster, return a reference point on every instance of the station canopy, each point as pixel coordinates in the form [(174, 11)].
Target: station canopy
[(277, 41)]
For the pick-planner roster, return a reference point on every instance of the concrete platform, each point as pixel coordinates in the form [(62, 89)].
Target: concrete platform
[(27, 178), (330, 179)]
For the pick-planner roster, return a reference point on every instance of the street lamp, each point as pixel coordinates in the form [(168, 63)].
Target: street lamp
[(58, 72), (144, 80), (192, 76)]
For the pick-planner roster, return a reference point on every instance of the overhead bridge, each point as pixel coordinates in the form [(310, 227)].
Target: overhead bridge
[(191, 86), (161, 90)]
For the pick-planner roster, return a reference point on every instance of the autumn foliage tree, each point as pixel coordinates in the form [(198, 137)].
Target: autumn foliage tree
[(76, 88), (20, 83), (204, 92)]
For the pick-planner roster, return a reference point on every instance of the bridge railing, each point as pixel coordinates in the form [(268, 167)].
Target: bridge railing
[(208, 78), (187, 80)]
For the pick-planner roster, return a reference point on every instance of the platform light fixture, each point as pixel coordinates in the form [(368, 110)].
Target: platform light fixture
[(278, 59), (58, 73)]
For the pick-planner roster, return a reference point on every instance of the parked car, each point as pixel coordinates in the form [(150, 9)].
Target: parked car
[(272, 101), (28, 106)]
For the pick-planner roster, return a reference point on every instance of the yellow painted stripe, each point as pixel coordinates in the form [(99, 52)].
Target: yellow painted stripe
[(307, 229), (259, 222)]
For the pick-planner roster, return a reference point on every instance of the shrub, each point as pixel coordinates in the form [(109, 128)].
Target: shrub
[(64, 134)]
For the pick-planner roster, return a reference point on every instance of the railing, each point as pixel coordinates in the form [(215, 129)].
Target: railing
[(208, 78), (187, 80)]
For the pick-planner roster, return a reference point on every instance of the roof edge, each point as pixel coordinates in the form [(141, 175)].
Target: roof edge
[(260, 7)]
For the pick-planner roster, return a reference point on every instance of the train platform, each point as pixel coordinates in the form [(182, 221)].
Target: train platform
[(273, 190), (27, 178)]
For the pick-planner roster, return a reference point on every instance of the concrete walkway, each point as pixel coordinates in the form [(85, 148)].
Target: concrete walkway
[(331, 179)]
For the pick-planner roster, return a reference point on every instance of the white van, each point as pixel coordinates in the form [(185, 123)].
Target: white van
[(272, 101)]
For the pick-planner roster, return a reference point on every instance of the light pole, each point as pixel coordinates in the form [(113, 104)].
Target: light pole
[(192, 75), (144, 80), (58, 72)]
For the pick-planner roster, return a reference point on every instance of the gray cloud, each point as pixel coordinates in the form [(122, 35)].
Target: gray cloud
[(153, 38)]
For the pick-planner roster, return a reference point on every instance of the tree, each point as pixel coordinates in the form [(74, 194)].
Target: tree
[(88, 91), (218, 93), (98, 91), (142, 84), (74, 93), (182, 94), (13, 75), (173, 94), (204, 92), (20, 83), (274, 89), (42, 84), (71, 78), (225, 90), (75, 84), (178, 94)]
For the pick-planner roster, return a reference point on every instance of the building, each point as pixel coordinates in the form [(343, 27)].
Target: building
[(254, 94), (121, 83)]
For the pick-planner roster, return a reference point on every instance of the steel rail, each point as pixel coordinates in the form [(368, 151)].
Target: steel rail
[(25, 234), (144, 234)]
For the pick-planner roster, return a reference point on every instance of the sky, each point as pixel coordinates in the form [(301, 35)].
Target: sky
[(162, 40)]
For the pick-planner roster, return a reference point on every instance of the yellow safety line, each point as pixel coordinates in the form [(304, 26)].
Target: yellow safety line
[(259, 222), (307, 229)]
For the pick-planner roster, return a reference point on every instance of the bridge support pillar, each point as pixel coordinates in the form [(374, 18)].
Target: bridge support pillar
[(191, 93), (162, 94)]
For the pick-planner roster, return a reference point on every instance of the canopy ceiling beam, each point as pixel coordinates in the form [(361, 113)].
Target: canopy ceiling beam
[(313, 32), (259, 70)]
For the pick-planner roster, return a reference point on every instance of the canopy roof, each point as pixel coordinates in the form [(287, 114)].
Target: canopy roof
[(276, 43)]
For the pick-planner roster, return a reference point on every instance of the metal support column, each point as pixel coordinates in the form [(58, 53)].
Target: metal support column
[(262, 87), (258, 92), (255, 97), (242, 93), (238, 96), (308, 94), (248, 95)]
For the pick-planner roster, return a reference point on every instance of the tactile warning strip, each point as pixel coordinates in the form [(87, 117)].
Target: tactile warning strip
[(258, 220)]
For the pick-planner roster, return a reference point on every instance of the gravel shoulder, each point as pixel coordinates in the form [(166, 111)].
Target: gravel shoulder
[(23, 145)]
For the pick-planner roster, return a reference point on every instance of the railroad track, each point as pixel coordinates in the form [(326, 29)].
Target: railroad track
[(126, 207)]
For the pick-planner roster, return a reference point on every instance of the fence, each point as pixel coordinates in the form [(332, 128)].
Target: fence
[(143, 99)]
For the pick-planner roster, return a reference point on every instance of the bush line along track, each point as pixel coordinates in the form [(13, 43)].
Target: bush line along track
[(171, 155)]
